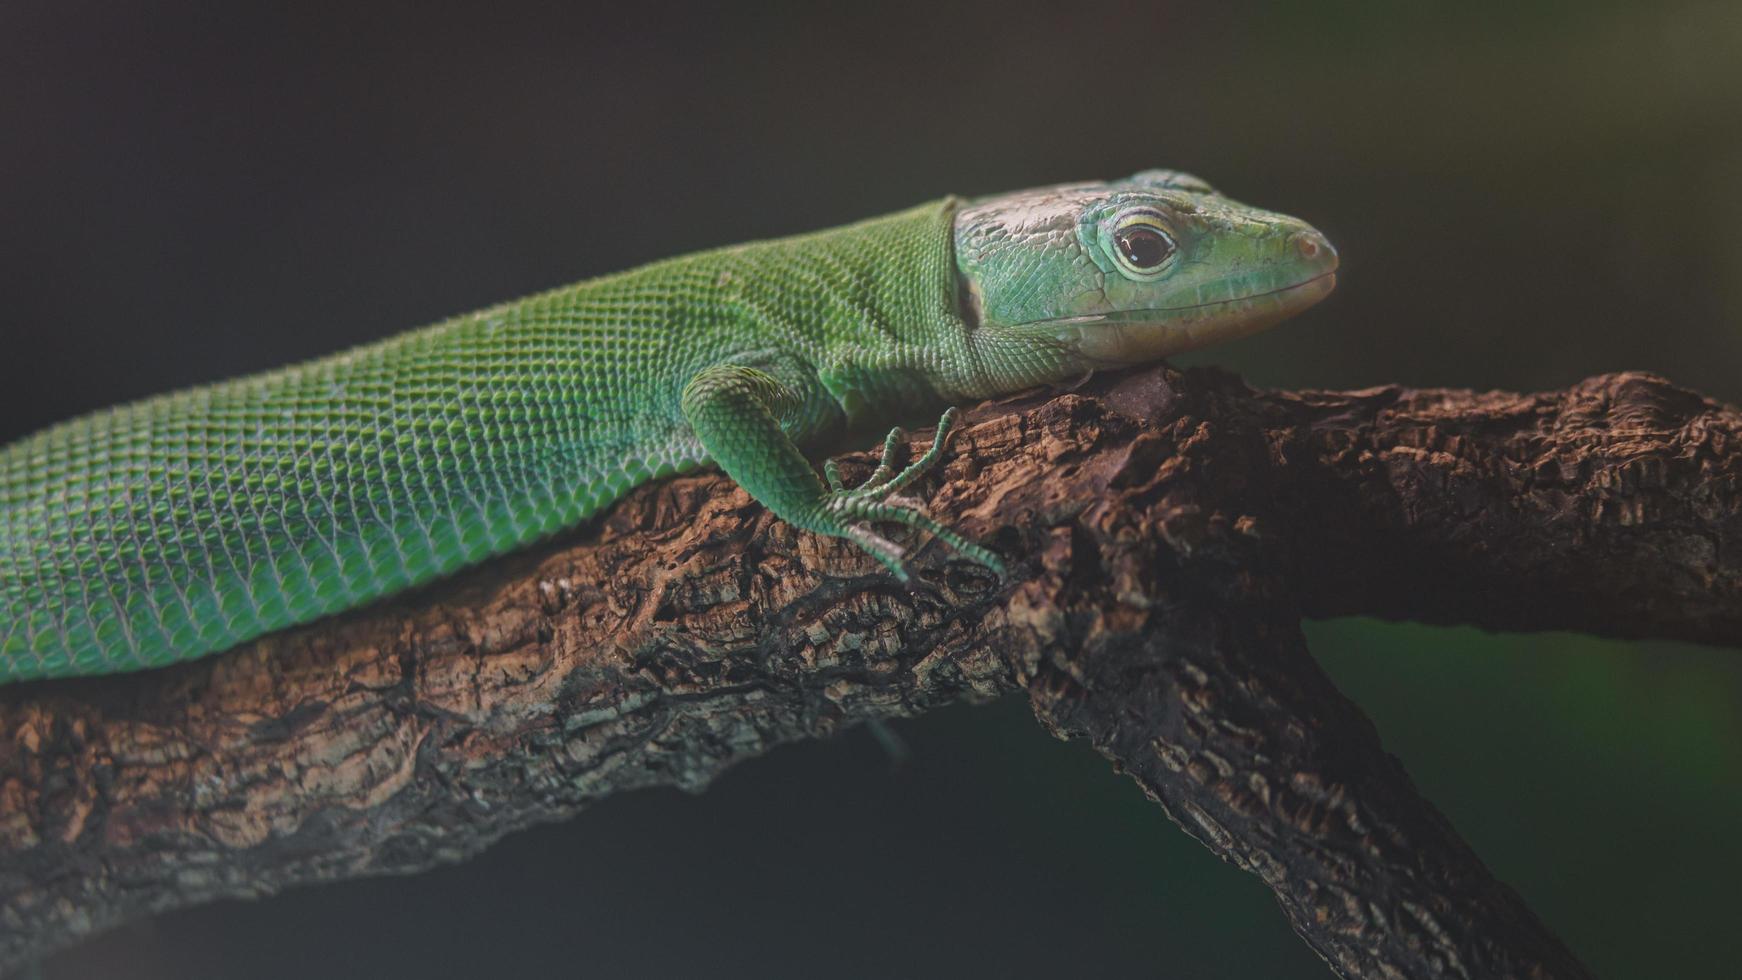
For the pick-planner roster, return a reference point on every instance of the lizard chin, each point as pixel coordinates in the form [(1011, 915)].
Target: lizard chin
[(1142, 336)]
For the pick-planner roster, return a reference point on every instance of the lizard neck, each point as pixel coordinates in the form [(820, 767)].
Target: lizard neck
[(895, 331)]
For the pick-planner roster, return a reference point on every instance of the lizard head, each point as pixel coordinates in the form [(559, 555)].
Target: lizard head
[(1130, 271)]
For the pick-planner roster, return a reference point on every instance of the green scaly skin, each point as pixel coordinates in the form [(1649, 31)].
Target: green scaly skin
[(178, 526)]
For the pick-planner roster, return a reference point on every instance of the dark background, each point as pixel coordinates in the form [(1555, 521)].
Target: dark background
[(1523, 195)]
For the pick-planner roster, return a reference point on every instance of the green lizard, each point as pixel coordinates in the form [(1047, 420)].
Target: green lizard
[(180, 525)]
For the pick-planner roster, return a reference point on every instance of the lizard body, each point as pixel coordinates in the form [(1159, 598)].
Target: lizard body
[(180, 525)]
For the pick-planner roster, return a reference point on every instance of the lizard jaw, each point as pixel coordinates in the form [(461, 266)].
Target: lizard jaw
[(1142, 336)]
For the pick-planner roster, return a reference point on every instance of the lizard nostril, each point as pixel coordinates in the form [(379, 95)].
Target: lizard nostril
[(1315, 248)]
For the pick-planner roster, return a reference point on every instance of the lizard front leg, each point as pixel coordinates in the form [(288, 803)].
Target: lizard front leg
[(736, 412)]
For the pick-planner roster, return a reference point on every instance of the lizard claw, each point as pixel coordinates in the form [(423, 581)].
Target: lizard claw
[(881, 499)]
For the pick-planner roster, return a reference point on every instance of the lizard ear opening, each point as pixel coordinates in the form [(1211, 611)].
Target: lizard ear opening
[(967, 301)]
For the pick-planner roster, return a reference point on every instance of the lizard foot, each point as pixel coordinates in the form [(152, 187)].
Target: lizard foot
[(879, 500)]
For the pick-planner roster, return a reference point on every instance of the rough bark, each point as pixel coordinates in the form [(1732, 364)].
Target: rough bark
[(1166, 533)]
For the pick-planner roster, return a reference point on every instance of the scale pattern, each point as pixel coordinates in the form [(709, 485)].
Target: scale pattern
[(178, 526)]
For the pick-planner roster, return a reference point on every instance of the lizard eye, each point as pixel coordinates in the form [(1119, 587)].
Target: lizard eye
[(1141, 245)]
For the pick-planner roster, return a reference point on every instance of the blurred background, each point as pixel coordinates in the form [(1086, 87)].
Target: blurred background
[(1523, 195)]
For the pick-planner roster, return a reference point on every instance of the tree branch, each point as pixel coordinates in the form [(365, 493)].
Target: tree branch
[(1167, 532)]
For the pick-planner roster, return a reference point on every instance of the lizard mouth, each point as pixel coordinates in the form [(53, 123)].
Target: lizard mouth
[(1149, 334), (1318, 286)]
